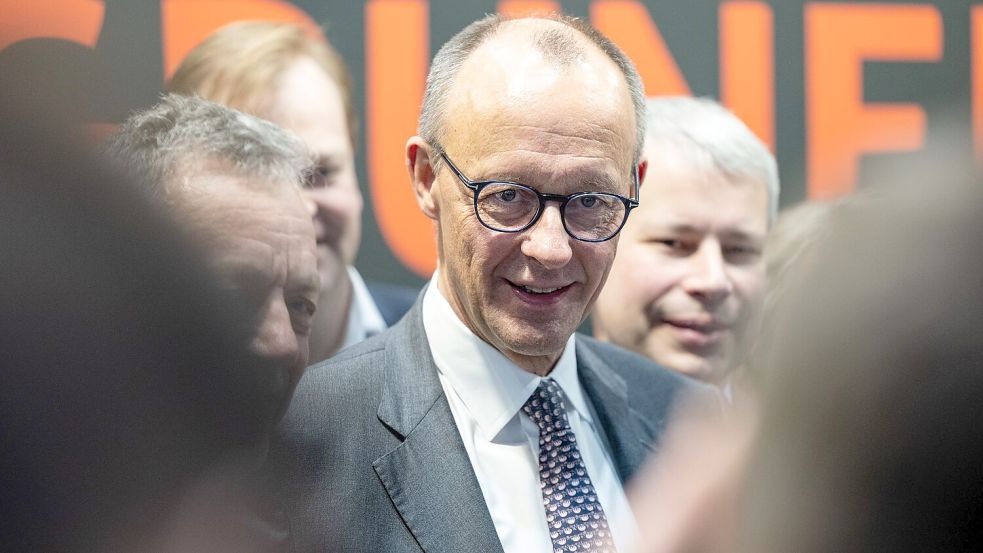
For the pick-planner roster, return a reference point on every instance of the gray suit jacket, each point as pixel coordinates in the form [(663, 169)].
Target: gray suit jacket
[(372, 461)]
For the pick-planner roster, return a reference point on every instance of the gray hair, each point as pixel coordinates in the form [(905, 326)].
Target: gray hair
[(703, 125), (164, 142), (555, 46)]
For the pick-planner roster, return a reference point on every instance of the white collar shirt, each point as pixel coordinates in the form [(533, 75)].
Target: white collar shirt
[(486, 392), (364, 317)]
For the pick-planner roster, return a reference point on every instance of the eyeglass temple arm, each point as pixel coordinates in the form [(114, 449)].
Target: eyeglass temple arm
[(634, 200)]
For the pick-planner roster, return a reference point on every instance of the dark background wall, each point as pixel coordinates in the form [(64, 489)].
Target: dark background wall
[(839, 89)]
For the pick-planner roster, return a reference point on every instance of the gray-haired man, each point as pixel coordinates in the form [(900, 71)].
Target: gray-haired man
[(688, 282), (234, 181)]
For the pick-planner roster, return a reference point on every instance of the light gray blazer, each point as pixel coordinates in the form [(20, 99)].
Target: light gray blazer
[(371, 459)]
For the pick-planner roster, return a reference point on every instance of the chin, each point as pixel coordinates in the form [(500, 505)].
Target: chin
[(701, 369), (534, 342)]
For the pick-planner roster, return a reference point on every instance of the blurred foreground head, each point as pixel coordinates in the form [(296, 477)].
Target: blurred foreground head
[(687, 284), (873, 380), (123, 371), (233, 181)]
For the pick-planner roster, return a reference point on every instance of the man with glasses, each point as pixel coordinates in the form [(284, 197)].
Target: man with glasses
[(481, 422)]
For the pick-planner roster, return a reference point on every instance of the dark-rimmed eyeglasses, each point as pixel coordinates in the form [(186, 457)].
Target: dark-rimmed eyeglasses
[(512, 207)]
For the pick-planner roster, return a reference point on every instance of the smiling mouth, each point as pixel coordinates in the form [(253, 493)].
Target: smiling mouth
[(536, 294), (705, 327), (698, 335)]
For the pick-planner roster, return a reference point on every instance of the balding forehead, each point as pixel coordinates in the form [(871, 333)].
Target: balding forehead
[(556, 42), (528, 57)]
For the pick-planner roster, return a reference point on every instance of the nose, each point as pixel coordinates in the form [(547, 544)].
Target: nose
[(275, 340), (708, 278), (547, 241)]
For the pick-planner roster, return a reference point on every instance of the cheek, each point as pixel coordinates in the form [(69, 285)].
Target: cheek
[(751, 285), (644, 276), (652, 293)]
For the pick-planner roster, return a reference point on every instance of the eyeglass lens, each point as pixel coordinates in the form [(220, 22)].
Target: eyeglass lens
[(589, 216)]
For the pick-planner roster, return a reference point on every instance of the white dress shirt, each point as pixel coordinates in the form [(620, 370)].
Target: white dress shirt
[(486, 392), (364, 318)]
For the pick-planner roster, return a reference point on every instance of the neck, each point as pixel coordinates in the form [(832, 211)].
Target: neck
[(539, 365)]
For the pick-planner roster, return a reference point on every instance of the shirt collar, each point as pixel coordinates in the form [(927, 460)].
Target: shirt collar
[(492, 388), (364, 317)]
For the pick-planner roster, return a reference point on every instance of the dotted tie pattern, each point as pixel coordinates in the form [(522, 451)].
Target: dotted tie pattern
[(573, 513)]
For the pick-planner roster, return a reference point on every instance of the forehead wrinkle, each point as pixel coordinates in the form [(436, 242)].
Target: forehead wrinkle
[(591, 174), (493, 129)]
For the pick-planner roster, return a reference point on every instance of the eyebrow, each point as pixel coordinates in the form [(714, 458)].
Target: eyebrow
[(306, 283), (590, 184), (686, 228), (604, 185), (239, 273)]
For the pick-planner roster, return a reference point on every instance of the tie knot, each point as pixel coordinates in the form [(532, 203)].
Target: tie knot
[(545, 406)]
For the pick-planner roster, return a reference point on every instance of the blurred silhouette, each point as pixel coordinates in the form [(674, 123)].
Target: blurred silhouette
[(873, 378), (796, 230), (126, 382)]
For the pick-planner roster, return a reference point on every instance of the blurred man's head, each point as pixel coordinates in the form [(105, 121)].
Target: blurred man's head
[(686, 287), (550, 104), (281, 73), (233, 180)]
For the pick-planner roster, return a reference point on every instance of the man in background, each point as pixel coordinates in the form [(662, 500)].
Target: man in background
[(689, 279), (280, 73), (233, 181)]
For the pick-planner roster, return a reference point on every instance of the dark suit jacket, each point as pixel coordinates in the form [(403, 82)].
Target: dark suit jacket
[(372, 459), (392, 300)]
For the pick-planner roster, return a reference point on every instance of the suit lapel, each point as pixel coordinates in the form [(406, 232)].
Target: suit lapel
[(629, 434), (428, 476)]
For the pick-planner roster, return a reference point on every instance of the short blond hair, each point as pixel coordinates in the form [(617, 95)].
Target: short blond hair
[(238, 64)]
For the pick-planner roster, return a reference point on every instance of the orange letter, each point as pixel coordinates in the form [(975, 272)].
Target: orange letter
[(627, 23), (977, 23), (75, 20), (185, 23), (396, 57), (839, 38), (747, 65), (519, 8)]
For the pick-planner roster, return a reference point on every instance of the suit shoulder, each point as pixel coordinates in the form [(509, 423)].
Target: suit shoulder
[(342, 382), (637, 370)]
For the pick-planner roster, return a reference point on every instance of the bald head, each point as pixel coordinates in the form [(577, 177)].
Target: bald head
[(511, 78), (529, 54)]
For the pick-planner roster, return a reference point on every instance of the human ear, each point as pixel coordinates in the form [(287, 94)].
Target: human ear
[(419, 165)]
